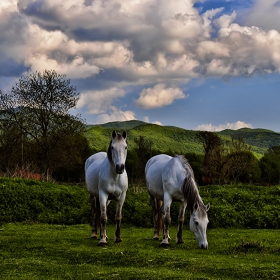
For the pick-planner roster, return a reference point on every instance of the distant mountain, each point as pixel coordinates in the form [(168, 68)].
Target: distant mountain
[(175, 139)]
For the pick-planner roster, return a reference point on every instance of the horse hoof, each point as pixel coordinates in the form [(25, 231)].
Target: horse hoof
[(164, 245), (102, 244), (156, 238), (180, 242), (93, 236), (118, 240)]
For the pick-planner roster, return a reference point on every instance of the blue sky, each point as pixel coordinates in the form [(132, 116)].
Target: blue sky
[(199, 65)]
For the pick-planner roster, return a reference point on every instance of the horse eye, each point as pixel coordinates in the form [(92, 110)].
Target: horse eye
[(196, 223), (126, 147), (112, 147)]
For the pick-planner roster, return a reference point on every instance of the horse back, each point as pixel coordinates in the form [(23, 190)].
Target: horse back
[(173, 177)]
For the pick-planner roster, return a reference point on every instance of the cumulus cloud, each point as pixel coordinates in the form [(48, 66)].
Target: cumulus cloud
[(233, 126), (265, 15), (150, 39), (115, 114), (158, 96), (147, 120), (98, 102), (132, 43)]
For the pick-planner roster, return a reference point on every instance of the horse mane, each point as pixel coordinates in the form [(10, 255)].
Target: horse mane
[(109, 150), (189, 188)]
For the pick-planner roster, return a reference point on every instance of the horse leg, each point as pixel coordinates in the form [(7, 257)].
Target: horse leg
[(166, 221), (156, 208), (95, 216), (118, 218), (181, 218), (103, 219)]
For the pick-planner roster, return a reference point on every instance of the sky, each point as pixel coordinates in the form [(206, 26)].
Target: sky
[(199, 65)]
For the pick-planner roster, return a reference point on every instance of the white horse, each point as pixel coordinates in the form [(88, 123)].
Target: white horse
[(106, 179), (171, 178)]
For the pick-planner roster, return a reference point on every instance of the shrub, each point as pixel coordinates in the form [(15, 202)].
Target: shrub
[(231, 206)]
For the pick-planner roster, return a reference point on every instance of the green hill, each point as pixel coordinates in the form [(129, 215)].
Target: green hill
[(175, 139), (259, 139), (163, 138)]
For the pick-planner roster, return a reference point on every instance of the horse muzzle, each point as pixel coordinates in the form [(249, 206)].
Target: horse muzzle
[(119, 168)]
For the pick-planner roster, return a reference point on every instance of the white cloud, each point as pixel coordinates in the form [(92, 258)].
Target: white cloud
[(97, 102), (233, 126), (265, 15), (158, 96), (132, 43), (115, 114), (146, 119), (144, 40)]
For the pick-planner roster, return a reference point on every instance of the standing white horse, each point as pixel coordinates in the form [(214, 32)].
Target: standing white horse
[(106, 179), (171, 178)]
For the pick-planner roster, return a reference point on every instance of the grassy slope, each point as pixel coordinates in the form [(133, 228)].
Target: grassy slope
[(178, 140), (41, 251)]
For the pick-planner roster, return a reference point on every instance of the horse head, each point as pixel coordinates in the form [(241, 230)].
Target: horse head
[(117, 151), (198, 223)]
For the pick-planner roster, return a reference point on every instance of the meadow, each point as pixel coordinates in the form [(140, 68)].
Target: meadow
[(45, 234), (44, 251)]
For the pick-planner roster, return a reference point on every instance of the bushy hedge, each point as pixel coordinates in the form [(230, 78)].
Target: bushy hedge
[(243, 206), (231, 206), (30, 200)]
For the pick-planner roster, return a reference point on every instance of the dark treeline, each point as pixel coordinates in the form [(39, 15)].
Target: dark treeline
[(39, 138), (220, 164)]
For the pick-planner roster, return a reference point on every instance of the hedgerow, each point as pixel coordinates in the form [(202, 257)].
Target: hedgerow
[(231, 206)]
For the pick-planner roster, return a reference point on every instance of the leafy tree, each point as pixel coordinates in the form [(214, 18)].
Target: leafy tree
[(210, 142), (141, 155), (270, 166), (240, 162), (214, 155), (38, 106), (196, 162)]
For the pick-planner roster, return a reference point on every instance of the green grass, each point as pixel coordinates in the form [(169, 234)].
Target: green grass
[(178, 140), (43, 251)]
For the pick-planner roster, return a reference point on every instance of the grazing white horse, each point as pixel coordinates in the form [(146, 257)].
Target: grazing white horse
[(171, 178), (106, 179)]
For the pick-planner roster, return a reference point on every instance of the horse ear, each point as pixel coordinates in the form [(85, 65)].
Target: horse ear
[(207, 207), (195, 207), (114, 134), (124, 134)]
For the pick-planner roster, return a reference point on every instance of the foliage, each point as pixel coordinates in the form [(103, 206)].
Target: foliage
[(259, 139), (179, 140), (270, 165), (28, 200), (231, 206), (165, 139), (40, 251), (37, 112)]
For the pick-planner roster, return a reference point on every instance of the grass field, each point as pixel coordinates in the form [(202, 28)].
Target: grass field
[(43, 251)]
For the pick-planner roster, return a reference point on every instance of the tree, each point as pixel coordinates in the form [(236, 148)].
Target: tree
[(214, 155), (270, 166), (143, 152), (240, 161), (39, 105)]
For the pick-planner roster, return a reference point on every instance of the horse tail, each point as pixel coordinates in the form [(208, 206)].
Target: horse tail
[(159, 215)]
